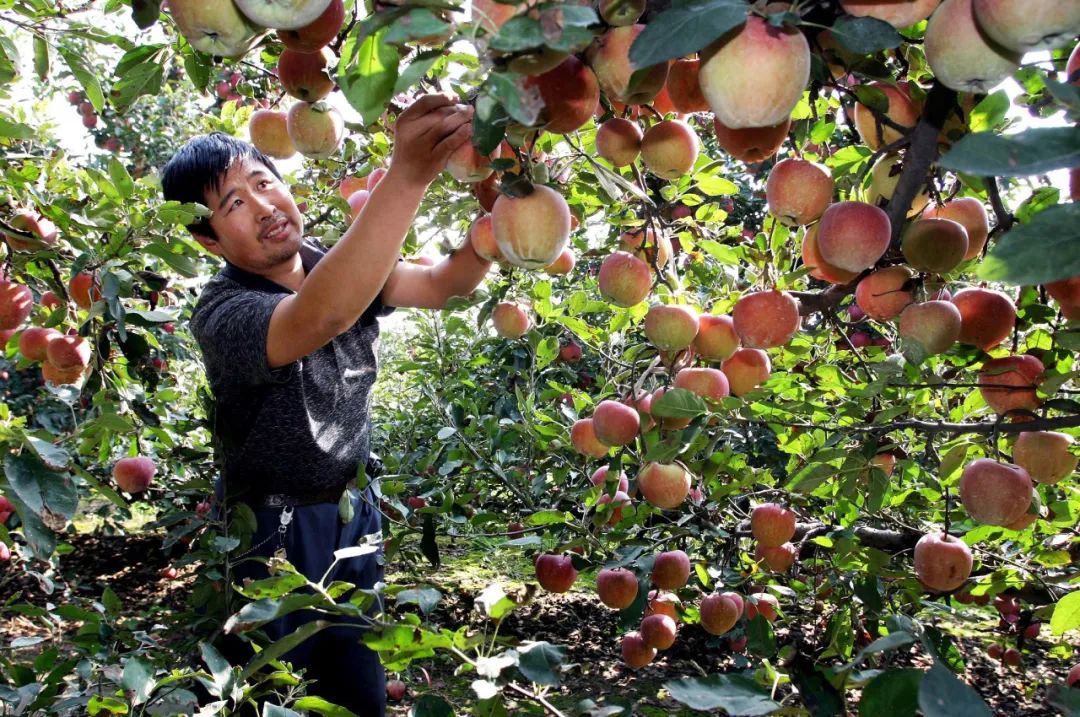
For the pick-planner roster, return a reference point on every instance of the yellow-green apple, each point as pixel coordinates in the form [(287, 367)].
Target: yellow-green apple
[(1028, 25), (483, 239), (970, 213), (616, 587), (777, 559), (751, 144), (670, 148), (306, 75), (618, 13), (658, 631), (942, 562), (671, 570), (995, 493), (762, 604), (683, 88), (635, 653), (511, 320), (531, 231), (884, 177), (619, 141), (709, 383), (664, 485), (884, 293), (624, 280), (660, 602), (670, 327), (772, 525), (987, 317), (269, 132), (1045, 455), (620, 500), (68, 352), (16, 303), (466, 164), (134, 474), (615, 423), (1009, 383), (32, 223), (492, 15), (570, 93), (282, 14), (961, 56), (609, 57), (720, 611), (34, 340), (934, 245), (716, 339), (821, 269), (746, 370), (754, 75), (1066, 292), (555, 573), (899, 108), (356, 202), (317, 34), (316, 129), (599, 477), (563, 264), (798, 191), (898, 13), (216, 28), (929, 328), (583, 437), (765, 319), (647, 245), (853, 235)]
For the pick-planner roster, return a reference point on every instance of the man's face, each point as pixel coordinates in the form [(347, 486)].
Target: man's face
[(257, 223)]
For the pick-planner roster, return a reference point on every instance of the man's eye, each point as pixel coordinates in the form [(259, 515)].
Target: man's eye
[(236, 203)]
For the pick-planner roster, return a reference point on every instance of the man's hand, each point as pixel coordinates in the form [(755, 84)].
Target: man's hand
[(426, 134)]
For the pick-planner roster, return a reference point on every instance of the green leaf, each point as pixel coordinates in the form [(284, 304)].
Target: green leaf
[(541, 661), (413, 25), (280, 647), (521, 103), (121, 178), (430, 705), (41, 57), (54, 457), (138, 679), (678, 403), (9, 61), (15, 130), (895, 693), (735, 694), (865, 35), (425, 598), (50, 495), (684, 28), (548, 517), (884, 644), (145, 12), (274, 586), (323, 707), (367, 74), (546, 351), (760, 638), (1033, 151), (1066, 614), (942, 694), (1045, 249), (136, 81), (86, 77), (1066, 94)]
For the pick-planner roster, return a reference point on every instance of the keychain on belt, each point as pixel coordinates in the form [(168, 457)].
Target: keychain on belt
[(283, 528)]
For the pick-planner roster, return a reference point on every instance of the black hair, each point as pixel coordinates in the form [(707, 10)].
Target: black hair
[(200, 165)]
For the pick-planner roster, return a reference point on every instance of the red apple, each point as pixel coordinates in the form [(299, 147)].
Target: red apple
[(995, 493), (636, 654), (615, 423), (618, 141), (716, 339), (778, 559), (719, 612), (134, 475), (671, 570), (617, 588), (772, 525), (746, 370), (766, 319), (987, 317), (1010, 383), (670, 327), (555, 573), (583, 437), (658, 631), (1045, 455), (664, 485), (942, 562), (853, 235)]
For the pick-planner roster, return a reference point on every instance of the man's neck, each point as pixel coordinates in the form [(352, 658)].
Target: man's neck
[(289, 274)]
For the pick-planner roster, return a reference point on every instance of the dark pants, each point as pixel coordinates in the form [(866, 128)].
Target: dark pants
[(345, 672)]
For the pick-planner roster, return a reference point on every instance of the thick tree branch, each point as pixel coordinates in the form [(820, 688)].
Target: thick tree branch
[(1005, 219)]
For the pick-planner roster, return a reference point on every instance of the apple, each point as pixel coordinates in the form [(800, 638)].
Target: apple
[(316, 129), (647, 245), (961, 56), (563, 264), (555, 573), (90, 121), (720, 611), (772, 525), (531, 231), (762, 604), (683, 88), (317, 34), (51, 301), (570, 352), (987, 317), (899, 108), (751, 144), (32, 223), (884, 293), (970, 213), (620, 500), (395, 689), (307, 75), (853, 235), (615, 423), (618, 13), (635, 653), (930, 328), (716, 339), (671, 570), (670, 148), (884, 178), (609, 57), (746, 370), (357, 200), (618, 141), (709, 383), (486, 192), (737, 644), (68, 352), (942, 562), (1045, 455), (1010, 383), (59, 377), (34, 341), (583, 437), (995, 493), (466, 164), (1073, 677), (821, 269), (798, 191), (778, 559), (482, 237), (1029, 25), (1012, 657), (287, 15), (664, 485), (16, 303), (934, 245), (216, 28), (1031, 632), (511, 320), (134, 474), (766, 319), (898, 13), (491, 15), (662, 603), (570, 92), (617, 588), (1066, 293), (658, 631), (670, 327)]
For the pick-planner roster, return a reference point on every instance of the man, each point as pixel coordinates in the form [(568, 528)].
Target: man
[(287, 332)]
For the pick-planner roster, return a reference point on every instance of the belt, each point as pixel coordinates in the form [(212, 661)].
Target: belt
[(281, 500)]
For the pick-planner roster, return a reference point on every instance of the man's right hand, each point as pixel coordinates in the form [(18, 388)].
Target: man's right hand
[(426, 134)]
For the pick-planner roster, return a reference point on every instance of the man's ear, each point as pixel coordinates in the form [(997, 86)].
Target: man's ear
[(209, 243)]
